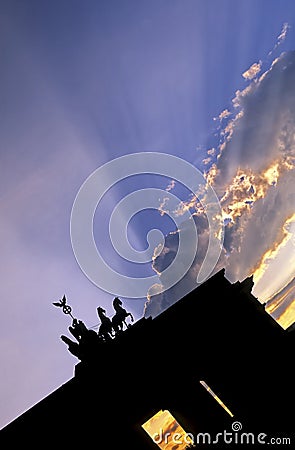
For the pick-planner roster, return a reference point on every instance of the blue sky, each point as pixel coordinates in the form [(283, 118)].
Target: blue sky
[(82, 83)]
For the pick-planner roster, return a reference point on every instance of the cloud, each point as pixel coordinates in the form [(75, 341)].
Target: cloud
[(162, 207), (261, 133), (211, 151), (281, 37), (170, 186), (207, 161), (254, 175), (252, 71), (254, 178), (224, 114), (160, 298), (283, 34)]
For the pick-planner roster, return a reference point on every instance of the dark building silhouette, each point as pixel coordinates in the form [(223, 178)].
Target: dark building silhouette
[(218, 333)]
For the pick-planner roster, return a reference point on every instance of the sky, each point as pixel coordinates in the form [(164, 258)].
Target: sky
[(83, 83)]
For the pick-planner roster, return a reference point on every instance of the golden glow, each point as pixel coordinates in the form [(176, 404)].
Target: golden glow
[(273, 252), (285, 301), (287, 318), (220, 402), (166, 432), (212, 174), (246, 188), (273, 306), (271, 174)]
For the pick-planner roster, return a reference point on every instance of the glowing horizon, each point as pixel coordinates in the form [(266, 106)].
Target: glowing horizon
[(166, 432)]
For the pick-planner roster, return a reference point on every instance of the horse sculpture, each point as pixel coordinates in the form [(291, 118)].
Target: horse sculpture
[(87, 340), (120, 317), (106, 328)]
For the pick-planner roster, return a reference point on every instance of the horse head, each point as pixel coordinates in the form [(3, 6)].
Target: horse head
[(100, 312), (117, 302)]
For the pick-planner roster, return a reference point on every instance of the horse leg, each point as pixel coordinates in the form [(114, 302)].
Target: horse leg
[(112, 330), (132, 319), (126, 324), (103, 334)]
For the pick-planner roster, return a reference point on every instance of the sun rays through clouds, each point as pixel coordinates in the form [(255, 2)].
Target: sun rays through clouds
[(252, 169)]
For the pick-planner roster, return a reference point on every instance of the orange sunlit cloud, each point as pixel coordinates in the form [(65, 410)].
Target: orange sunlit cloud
[(224, 114), (245, 188), (252, 71)]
